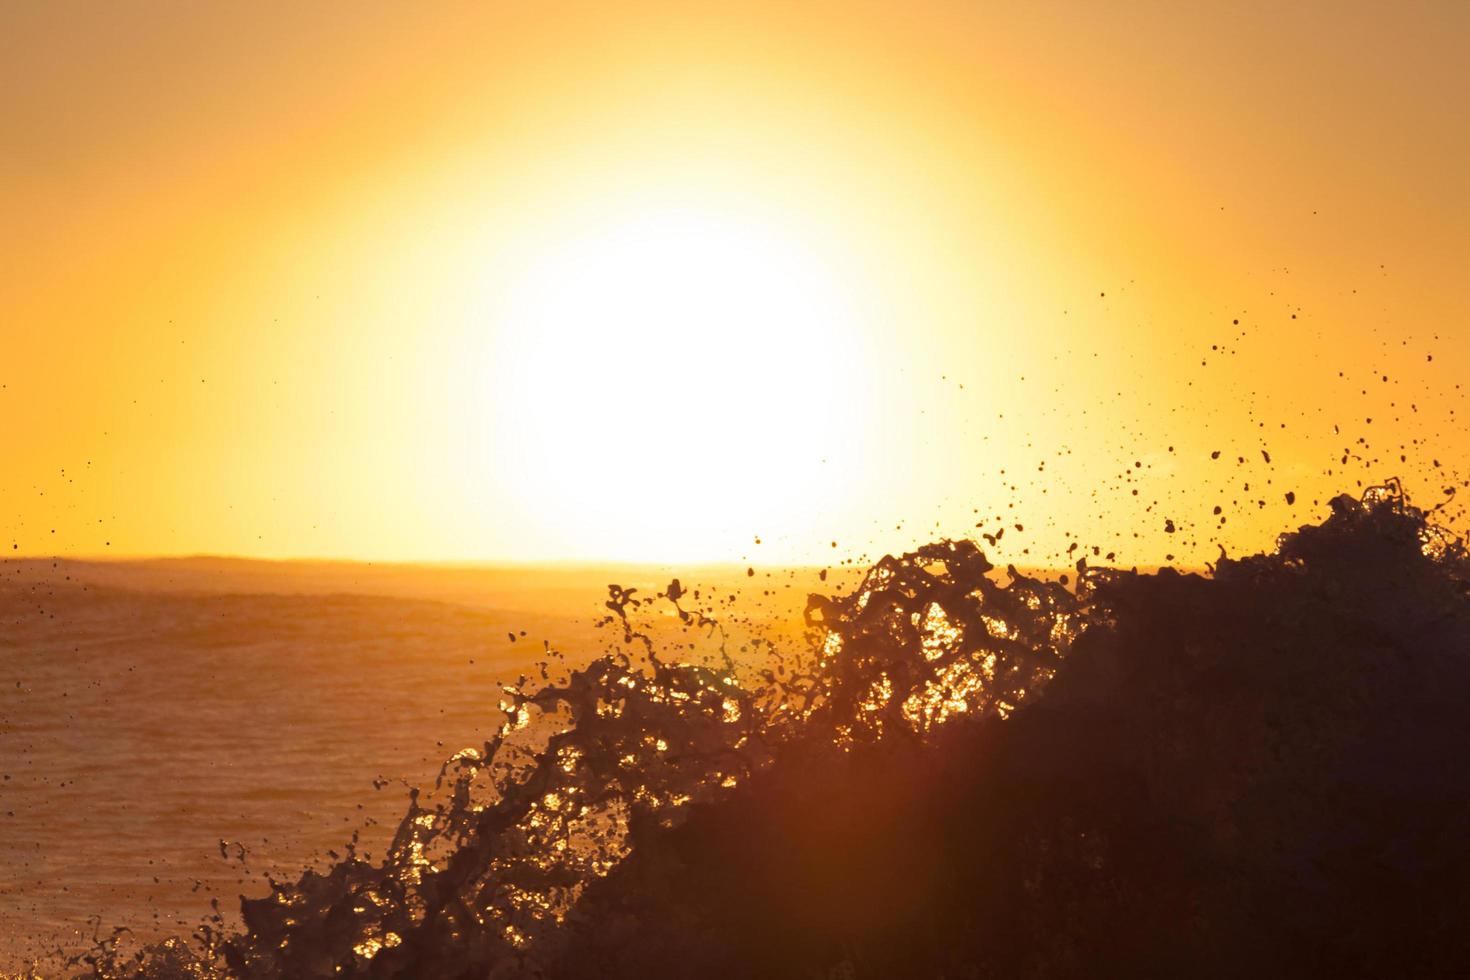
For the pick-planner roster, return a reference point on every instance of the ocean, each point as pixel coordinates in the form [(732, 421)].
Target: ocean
[(173, 731)]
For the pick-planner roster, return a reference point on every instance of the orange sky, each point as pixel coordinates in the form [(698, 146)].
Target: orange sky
[(644, 281)]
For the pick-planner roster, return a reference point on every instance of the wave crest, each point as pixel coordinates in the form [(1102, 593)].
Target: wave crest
[(1229, 704)]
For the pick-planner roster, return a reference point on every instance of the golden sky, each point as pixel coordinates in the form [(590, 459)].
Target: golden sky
[(644, 281)]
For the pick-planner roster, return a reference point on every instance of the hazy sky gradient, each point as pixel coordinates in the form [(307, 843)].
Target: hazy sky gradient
[(355, 280)]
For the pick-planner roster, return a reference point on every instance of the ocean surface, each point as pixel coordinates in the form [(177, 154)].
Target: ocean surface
[(173, 731)]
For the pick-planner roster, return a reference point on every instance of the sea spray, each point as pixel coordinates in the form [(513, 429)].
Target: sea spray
[(962, 775)]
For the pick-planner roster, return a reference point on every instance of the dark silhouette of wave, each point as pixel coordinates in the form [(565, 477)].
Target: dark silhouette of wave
[(965, 774)]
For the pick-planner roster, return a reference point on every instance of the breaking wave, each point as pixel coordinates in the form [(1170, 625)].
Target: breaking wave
[(964, 773)]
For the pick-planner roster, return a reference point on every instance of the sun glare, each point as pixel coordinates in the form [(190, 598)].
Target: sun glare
[(665, 383)]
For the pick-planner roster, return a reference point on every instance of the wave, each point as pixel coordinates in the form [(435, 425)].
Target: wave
[(962, 772)]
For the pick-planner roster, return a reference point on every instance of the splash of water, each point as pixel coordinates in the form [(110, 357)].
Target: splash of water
[(505, 867)]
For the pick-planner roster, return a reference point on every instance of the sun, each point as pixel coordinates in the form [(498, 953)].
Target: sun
[(663, 384)]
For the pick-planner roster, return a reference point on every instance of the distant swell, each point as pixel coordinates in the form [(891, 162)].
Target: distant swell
[(1262, 769)]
